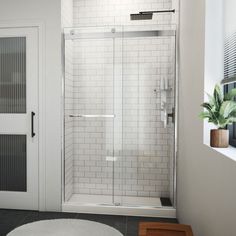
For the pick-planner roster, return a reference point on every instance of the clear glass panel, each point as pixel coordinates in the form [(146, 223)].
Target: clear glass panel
[(129, 158), (13, 163), (69, 129), (93, 128), (13, 75), (118, 121), (148, 145)]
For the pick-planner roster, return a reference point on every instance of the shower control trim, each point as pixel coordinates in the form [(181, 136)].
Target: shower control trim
[(172, 115)]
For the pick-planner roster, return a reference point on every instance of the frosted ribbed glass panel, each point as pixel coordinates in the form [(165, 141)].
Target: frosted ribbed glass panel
[(13, 163), (13, 75)]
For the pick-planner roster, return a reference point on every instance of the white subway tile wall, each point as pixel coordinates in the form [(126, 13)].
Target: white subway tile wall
[(93, 94), (117, 12), (119, 77), (109, 80)]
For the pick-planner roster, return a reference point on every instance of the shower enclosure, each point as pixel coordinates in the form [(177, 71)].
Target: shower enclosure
[(119, 120)]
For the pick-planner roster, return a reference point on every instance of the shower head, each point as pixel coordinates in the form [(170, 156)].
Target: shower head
[(141, 16), (147, 15)]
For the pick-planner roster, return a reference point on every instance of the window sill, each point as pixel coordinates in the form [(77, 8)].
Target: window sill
[(229, 152)]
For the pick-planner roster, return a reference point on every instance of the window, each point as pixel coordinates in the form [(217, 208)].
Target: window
[(232, 128), (229, 80)]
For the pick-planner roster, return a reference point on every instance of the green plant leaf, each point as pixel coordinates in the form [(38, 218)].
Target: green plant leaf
[(205, 115), (230, 95), (227, 108), (207, 106), (232, 119), (218, 97), (222, 122), (220, 109), (210, 99), (233, 114)]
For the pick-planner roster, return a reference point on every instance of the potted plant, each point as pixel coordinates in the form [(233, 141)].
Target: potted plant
[(221, 111)]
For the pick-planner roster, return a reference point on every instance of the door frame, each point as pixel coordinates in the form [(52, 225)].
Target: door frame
[(40, 25)]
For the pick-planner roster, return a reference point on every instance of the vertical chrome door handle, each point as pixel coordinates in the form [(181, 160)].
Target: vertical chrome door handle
[(32, 124)]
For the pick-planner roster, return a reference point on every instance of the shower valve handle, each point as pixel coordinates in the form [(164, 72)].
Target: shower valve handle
[(171, 115)]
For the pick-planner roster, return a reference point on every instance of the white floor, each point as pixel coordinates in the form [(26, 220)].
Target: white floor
[(102, 204)]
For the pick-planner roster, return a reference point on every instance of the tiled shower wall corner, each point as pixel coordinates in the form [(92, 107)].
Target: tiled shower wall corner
[(67, 21)]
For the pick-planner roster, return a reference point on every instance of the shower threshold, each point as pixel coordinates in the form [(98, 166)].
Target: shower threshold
[(131, 206)]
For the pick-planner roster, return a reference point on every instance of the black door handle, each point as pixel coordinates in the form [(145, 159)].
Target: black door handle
[(32, 124)]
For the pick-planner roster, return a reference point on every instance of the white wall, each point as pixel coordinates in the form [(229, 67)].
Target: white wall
[(206, 179), (230, 17), (214, 52), (49, 13)]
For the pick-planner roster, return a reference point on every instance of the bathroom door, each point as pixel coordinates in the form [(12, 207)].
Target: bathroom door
[(19, 118)]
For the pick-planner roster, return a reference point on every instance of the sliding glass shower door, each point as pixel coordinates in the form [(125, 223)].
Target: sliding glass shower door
[(148, 116), (96, 106), (119, 115)]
